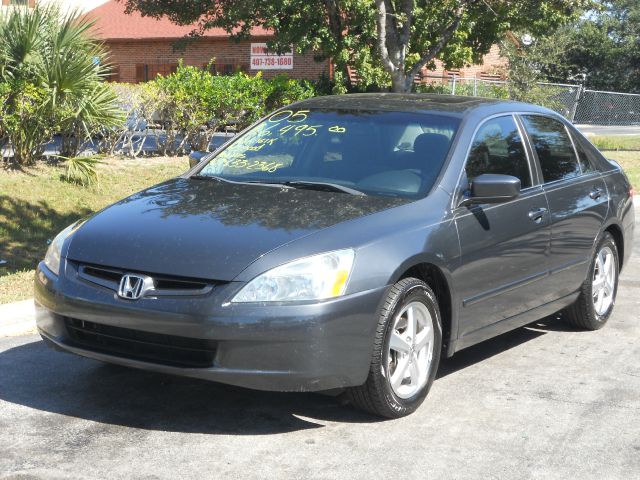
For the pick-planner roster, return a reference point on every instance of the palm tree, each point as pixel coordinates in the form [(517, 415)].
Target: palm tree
[(55, 66)]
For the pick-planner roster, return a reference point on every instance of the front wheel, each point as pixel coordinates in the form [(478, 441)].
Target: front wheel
[(597, 297), (406, 352)]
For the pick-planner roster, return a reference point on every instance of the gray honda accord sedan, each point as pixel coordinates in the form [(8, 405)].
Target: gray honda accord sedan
[(347, 242)]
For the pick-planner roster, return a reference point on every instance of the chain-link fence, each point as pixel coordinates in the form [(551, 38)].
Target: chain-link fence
[(561, 97), (576, 103), (607, 108)]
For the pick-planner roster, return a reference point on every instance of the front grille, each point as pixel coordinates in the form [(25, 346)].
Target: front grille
[(159, 348), (163, 285), (104, 273)]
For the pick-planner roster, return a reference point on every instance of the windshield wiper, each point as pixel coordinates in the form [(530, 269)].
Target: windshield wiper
[(209, 177), (216, 178), (323, 186), (302, 184)]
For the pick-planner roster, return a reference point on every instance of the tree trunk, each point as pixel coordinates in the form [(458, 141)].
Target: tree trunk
[(400, 83)]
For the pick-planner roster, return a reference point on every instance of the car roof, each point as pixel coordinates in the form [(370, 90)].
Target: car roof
[(417, 102)]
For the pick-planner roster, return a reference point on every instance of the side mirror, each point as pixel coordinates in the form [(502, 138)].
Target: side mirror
[(493, 188)]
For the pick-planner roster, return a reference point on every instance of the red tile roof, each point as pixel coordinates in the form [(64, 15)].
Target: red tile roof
[(112, 23)]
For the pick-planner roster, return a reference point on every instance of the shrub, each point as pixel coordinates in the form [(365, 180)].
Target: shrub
[(282, 90), (26, 121), (183, 106), (193, 104), (5, 90)]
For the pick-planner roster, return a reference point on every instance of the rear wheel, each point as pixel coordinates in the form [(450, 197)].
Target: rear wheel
[(406, 352), (597, 297)]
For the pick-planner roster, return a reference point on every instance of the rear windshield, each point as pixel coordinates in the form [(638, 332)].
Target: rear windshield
[(377, 153)]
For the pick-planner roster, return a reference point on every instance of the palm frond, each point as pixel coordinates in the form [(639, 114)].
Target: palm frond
[(81, 170)]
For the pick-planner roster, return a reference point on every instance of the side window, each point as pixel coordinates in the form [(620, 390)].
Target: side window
[(553, 146), (583, 156), (498, 148)]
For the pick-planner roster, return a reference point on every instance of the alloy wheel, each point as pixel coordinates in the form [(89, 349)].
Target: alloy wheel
[(410, 350), (604, 280)]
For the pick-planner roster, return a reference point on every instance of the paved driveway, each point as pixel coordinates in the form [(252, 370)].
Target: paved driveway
[(544, 401)]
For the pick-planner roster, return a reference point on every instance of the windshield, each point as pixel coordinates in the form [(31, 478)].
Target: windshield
[(375, 153)]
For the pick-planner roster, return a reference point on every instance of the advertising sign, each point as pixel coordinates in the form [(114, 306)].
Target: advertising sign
[(264, 59)]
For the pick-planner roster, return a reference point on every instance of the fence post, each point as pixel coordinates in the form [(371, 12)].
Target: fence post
[(453, 86), (574, 107), (475, 86)]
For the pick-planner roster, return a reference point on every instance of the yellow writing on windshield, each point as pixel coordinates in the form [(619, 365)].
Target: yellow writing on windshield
[(252, 165), (269, 141), (304, 129), (295, 124)]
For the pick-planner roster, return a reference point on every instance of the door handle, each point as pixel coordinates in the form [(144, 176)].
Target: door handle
[(596, 193), (537, 214)]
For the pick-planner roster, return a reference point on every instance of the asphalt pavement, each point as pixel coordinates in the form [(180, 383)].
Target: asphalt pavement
[(543, 401)]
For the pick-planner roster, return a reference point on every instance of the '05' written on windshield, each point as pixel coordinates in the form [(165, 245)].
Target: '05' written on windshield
[(252, 152)]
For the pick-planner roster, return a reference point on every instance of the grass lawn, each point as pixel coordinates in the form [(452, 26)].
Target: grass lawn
[(35, 205), (616, 142), (630, 162)]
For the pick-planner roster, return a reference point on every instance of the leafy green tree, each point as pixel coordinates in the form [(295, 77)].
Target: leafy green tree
[(528, 66), (603, 48), (388, 41)]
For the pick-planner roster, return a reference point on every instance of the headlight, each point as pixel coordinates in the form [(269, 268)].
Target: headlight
[(313, 278), (52, 258)]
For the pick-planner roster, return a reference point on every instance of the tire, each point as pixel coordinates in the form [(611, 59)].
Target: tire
[(409, 298), (586, 312)]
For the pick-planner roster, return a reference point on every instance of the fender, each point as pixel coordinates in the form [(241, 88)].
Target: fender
[(436, 261)]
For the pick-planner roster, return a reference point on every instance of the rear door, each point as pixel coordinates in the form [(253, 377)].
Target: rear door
[(503, 246), (578, 201)]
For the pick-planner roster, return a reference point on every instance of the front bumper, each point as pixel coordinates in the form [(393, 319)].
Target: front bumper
[(301, 347)]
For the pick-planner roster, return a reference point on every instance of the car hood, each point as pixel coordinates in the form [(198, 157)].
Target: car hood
[(209, 229)]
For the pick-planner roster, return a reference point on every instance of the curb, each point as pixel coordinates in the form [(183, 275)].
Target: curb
[(18, 318)]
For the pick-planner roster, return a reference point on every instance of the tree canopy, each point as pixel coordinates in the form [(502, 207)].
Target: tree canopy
[(387, 41), (603, 48)]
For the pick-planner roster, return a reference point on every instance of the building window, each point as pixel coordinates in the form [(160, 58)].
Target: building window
[(147, 72)]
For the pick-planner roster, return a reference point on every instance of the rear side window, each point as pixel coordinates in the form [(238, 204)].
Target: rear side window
[(553, 146), (498, 148), (583, 157)]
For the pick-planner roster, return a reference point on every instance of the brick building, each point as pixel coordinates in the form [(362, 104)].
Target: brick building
[(142, 47), (492, 63)]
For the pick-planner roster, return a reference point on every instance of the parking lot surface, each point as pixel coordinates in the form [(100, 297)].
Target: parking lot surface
[(543, 401)]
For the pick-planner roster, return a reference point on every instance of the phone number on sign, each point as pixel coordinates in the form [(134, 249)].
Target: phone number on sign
[(272, 61)]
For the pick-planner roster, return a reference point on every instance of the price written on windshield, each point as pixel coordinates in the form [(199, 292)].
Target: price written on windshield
[(295, 124), (279, 126)]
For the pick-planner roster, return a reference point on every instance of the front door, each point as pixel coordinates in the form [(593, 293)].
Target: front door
[(504, 247)]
